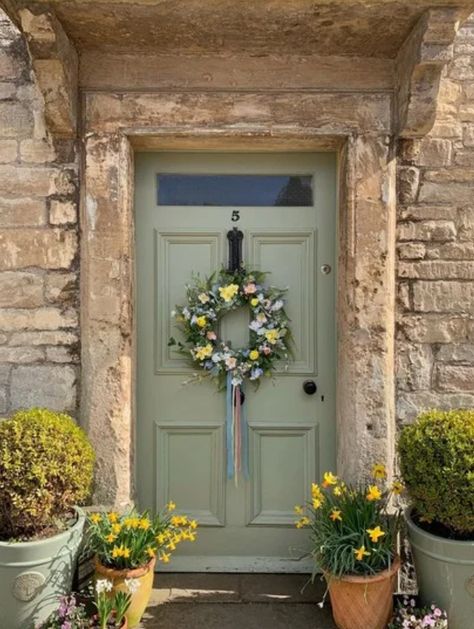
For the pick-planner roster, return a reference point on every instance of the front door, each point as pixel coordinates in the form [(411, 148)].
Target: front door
[(285, 206)]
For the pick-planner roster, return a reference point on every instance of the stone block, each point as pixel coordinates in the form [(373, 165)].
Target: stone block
[(44, 337), (451, 129), (434, 152), (5, 374), (21, 290), (10, 66), (37, 151), (466, 224), (43, 248), (451, 251), (432, 328), (427, 231), (413, 366), (468, 135), (17, 120), (61, 287), (455, 377), (437, 270), (428, 213), (50, 386), (411, 404), (62, 354), (408, 183), (411, 251), (8, 151), (28, 181), (64, 182), (7, 90), (45, 318), (454, 193), (450, 175), (22, 212), (403, 296), (462, 68), (18, 355), (3, 400), (464, 157), (463, 353), (62, 212), (455, 297)]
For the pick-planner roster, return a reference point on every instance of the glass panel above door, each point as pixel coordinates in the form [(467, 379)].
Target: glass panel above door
[(235, 190)]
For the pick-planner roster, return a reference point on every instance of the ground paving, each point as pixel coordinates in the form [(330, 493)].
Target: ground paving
[(236, 601)]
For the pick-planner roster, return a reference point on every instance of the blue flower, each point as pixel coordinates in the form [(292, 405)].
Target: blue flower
[(256, 373)]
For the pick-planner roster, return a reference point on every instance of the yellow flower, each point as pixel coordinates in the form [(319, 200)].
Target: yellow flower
[(375, 534), (193, 524), (337, 491), (125, 552), (317, 502), (336, 515), (144, 524), (254, 302), (304, 521), (397, 487), (171, 506), (176, 539), (201, 321), (374, 493), (132, 522), (272, 336), (113, 517), (165, 557), (95, 518), (176, 520), (192, 536), (228, 292), (116, 528), (171, 546), (150, 552), (161, 539), (203, 352), (110, 538), (360, 553), (316, 490), (254, 354), (116, 552), (299, 510), (329, 479), (378, 471), (203, 298)]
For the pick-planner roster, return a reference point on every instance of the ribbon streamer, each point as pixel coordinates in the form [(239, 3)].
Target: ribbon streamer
[(236, 432)]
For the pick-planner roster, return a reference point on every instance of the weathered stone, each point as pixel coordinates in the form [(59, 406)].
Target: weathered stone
[(428, 212), (48, 318), (408, 182), (403, 296), (456, 353), (57, 337), (18, 355), (443, 296), (17, 120), (64, 182), (434, 152), (21, 290), (413, 366), (7, 90), (451, 129), (433, 328), (462, 68), (3, 400), (449, 175), (44, 248), (27, 181), (455, 377), (62, 355), (455, 193), (466, 224), (464, 157), (10, 66), (468, 137), (61, 287), (8, 151), (411, 404), (62, 212), (451, 251), (427, 231), (411, 251), (5, 371), (437, 270), (22, 212), (37, 151), (47, 386)]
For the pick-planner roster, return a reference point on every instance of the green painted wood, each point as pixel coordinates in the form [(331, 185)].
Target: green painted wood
[(180, 428)]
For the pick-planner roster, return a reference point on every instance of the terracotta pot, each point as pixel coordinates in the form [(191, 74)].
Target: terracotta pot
[(141, 597), (360, 602)]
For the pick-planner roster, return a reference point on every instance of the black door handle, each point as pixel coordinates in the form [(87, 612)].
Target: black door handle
[(310, 387)]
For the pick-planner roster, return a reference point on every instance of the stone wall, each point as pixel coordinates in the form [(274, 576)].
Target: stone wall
[(39, 329), (435, 338)]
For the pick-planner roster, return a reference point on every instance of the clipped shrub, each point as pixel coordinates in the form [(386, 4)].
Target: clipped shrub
[(46, 467), (437, 465)]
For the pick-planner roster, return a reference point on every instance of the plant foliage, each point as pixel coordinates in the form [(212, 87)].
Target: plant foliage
[(46, 467), (437, 464)]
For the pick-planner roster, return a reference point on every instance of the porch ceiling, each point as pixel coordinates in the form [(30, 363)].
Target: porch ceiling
[(364, 28)]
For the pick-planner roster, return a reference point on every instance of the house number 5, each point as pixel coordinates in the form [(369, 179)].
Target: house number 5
[(235, 216)]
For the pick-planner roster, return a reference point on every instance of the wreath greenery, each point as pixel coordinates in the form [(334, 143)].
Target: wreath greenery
[(208, 301)]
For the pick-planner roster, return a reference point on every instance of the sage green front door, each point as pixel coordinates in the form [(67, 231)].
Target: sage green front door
[(285, 206)]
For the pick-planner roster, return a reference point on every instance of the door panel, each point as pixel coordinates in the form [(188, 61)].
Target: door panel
[(181, 427)]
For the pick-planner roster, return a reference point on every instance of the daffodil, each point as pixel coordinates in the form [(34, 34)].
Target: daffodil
[(375, 533), (302, 522), (397, 487), (299, 510), (201, 322), (336, 515), (202, 352), (171, 546), (144, 524), (150, 552), (161, 539), (113, 517), (171, 506), (193, 524), (254, 354), (360, 553), (317, 503), (116, 528), (337, 490), (110, 538), (228, 292), (95, 518), (373, 493), (329, 479), (378, 471), (316, 490), (165, 557)]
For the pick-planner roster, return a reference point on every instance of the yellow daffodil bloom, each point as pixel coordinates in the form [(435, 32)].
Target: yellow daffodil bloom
[(116, 528), (360, 553), (171, 506), (228, 292), (110, 538), (329, 479), (317, 503), (374, 493), (201, 322), (116, 552), (95, 518), (161, 539), (272, 336), (125, 552), (144, 524), (176, 539), (254, 302), (397, 487), (254, 355), (378, 471), (113, 517), (192, 536), (193, 524), (316, 491), (337, 491), (304, 521), (336, 515), (171, 546), (299, 510), (150, 552), (165, 557), (203, 352), (375, 533)]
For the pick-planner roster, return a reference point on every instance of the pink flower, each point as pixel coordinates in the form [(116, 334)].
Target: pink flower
[(211, 336), (250, 289), (266, 350)]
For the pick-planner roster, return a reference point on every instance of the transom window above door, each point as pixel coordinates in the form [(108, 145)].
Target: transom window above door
[(230, 190)]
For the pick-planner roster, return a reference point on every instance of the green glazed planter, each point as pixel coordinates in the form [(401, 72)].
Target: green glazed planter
[(33, 575), (445, 574)]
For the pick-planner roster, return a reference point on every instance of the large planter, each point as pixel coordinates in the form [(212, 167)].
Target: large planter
[(33, 575), (445, 574), (141, 597), (360, 602)]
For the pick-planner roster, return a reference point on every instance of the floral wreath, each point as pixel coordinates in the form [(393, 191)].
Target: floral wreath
[(208, 301)]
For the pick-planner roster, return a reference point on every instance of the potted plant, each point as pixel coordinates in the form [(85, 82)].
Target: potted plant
[(46, 470), (437, 465), (126, 547), (409, 616), (353, 540)]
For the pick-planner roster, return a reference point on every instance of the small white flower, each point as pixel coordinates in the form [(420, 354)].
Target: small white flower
[(203, 298), (132, 585), (173, 313), (278, 305), (103, 585)]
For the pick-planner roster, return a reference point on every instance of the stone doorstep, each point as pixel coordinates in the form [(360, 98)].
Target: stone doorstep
[(235, 601)]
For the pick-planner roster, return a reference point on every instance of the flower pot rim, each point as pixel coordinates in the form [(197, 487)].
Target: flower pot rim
[(129, 573), (446, 540), (369, 578), (81, 516)]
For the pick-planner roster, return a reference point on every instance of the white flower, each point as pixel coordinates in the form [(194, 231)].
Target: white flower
[(203, 298), (132, 585), (255, 325), (278, 305), (186, 313), (216, 358), (173, 313), (103, 585), (236, 381)]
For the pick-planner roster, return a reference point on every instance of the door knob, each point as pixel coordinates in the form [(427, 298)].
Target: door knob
[(310, 387)]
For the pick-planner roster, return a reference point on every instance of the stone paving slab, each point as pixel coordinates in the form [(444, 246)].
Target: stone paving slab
[(236, 601)]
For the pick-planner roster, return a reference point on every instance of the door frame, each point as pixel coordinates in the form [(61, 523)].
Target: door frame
[(365, 281)]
